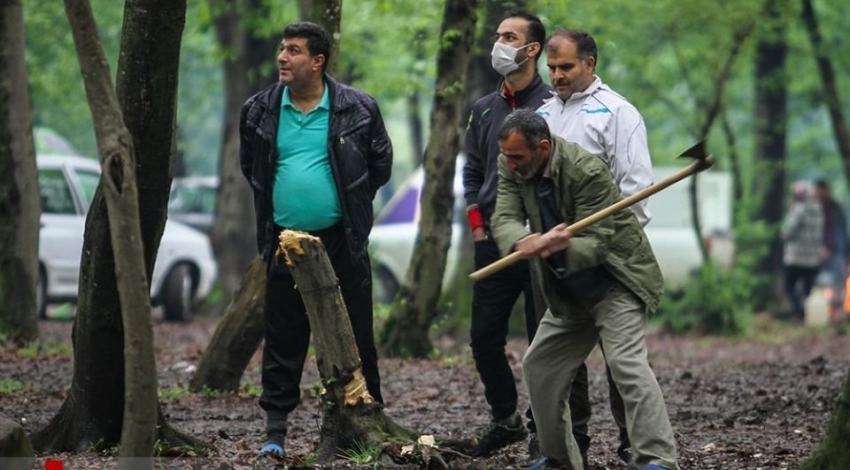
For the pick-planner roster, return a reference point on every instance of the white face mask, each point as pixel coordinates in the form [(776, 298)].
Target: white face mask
[(503, 58)]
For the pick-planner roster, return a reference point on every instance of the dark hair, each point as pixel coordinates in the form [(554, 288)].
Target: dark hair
[(585, 44), (318, 41), (528, 123), (822, 184), (536, 32)]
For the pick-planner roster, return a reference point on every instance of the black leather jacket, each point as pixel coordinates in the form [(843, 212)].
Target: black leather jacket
[(359, 149)]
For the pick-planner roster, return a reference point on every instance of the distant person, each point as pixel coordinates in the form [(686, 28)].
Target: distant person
[(599, 285), (834, 251), (518, 44), (802, 237), (315, 153), (589, 113)]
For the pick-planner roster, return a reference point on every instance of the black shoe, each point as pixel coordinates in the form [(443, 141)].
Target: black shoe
[(533, 447), (499, 435), (625, 455)]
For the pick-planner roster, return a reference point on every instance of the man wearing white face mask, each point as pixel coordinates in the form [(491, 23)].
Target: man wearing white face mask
[(518, 44)]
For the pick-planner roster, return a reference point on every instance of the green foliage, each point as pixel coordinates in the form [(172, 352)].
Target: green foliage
[(251, 389), (716, 301), (361, 454), (719, 300), (41, 347), (209, 393), (9, 386), (173, 392)]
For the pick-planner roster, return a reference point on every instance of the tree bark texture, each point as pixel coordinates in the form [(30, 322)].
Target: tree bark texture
[(830, 86), (20, 204), (833, 453), (118, 184), (92, 415), (415, 307), (771, 124), (328, 14), (237, 335), (482, 79), (249, 66), (350, 416), (147, 92)]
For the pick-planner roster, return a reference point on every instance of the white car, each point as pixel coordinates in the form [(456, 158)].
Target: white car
[(394, 233), (184, 270), (669, 232)]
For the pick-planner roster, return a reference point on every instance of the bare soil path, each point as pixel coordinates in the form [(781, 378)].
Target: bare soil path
[(756, 403)]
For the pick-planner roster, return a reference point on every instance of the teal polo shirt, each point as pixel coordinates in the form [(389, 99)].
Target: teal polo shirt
[(304, 194)]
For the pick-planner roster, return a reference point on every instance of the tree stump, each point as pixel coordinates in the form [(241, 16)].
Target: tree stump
[(351, 419)]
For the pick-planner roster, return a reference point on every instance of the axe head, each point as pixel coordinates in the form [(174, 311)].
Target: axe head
[(701, 160)]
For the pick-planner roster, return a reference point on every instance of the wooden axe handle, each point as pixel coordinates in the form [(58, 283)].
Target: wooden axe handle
[(689, 170)]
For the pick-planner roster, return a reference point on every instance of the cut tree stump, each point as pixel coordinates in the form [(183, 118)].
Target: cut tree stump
[(352, 421)]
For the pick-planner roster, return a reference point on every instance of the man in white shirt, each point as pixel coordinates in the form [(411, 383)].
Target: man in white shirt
[(589, 113)]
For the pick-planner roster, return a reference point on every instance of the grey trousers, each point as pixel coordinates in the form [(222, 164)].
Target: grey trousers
[(562, 343)]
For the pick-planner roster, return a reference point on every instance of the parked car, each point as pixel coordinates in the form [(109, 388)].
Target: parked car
[(184, 269), (192, 201), (394, 233), (669, 232)]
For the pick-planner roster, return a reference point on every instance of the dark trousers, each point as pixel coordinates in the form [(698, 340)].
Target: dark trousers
[(799, 281), (287, 334), (493, 299)]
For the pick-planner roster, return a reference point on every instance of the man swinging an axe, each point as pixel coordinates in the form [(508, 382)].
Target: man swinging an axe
[(600, 280)]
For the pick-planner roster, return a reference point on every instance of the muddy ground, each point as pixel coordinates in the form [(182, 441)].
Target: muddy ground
[(756, 403)]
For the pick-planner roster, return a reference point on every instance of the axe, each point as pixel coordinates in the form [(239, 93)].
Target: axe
[(701, 161)]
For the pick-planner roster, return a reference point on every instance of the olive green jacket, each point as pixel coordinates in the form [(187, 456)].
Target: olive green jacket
[(582, 186)]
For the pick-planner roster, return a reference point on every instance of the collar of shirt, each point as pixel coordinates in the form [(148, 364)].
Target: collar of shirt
[(324, 103), (508, 95), (591, 89)]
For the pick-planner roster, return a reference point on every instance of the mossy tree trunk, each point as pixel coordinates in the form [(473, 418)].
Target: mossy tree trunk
[(20, 204), (249, 66), (833, 453), (92, 414), (118, 185), (415, 306), (237, 335)]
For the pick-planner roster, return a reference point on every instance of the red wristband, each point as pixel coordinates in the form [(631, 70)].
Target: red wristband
[(476, 220)]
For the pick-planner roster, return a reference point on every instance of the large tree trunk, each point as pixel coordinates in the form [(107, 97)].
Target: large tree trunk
[(833, 453), (328, 14), (481, 78), (351, 418), (20, 205), (415, 307), (771, 123), (91, 416), (830, 86), (237, 335), (118, 185), (249, 67)]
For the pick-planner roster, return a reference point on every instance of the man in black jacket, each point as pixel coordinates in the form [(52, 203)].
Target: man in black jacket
[(315, 153), (519, 41)]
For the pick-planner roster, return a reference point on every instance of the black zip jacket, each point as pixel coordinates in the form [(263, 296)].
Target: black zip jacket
[(360, 155), (480, 173)]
